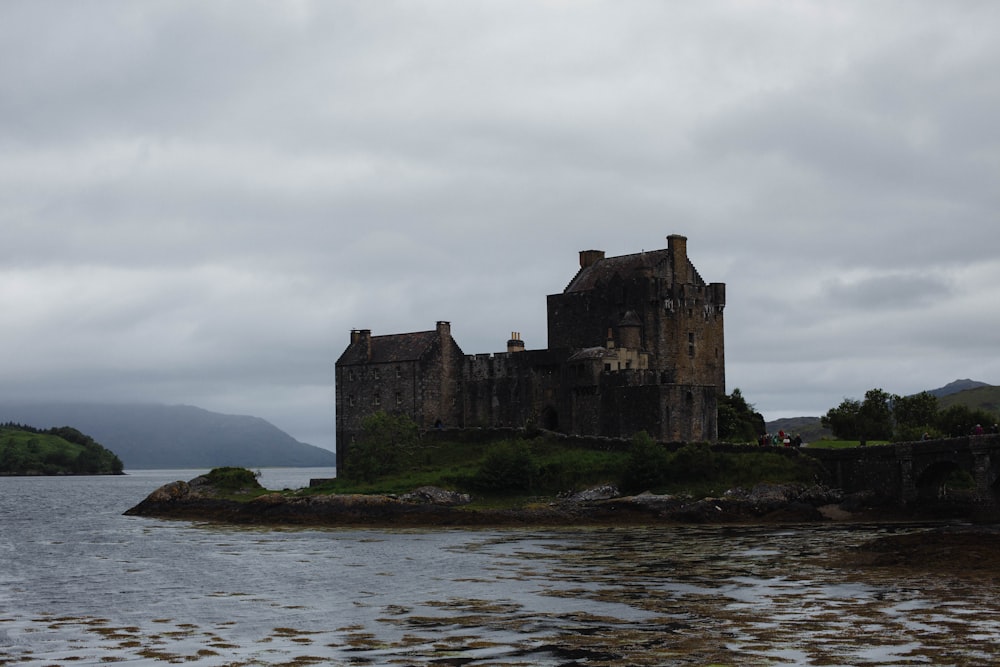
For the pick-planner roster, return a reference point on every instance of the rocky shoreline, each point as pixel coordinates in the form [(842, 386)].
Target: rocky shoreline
[(765, 503)]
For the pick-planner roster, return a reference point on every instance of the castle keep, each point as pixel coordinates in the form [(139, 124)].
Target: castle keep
[(635, 343)]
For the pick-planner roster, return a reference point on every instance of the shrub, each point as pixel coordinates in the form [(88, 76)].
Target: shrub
[(232, 479), (507, 466), (647, 464)]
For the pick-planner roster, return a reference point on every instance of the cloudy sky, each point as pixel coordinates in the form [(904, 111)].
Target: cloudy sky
[(199, 200)]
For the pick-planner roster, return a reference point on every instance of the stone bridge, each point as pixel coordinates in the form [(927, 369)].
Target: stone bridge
[(914, 472)]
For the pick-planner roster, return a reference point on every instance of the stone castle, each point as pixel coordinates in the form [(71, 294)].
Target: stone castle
[(635, 343)]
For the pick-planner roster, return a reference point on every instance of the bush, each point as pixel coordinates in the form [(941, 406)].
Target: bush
[(507, 466), (232, 479), (647, 464), (693, 462)]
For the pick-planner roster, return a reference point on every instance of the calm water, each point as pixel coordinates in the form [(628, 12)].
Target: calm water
[(80, 584)]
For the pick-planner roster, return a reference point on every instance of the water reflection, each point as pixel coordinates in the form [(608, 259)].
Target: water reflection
[(82, 584)]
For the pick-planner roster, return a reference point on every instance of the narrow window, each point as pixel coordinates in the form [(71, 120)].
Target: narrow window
[(691, 344), (376, 400), (399, 398)]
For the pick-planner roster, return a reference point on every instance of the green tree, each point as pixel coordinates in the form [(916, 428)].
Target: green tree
[(914, 415), (862, 420), (738, 422), (959, 420), (844, 419), (876, 415), (387, 443)]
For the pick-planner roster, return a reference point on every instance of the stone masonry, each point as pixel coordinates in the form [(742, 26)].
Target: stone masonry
[(635, 343)]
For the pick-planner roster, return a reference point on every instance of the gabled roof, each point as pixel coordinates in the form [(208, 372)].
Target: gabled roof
[(602, 271), (389, 349)]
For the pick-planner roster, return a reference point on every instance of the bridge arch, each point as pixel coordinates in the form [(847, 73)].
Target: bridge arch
[(943, 477)]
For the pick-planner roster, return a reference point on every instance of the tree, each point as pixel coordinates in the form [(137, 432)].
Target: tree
[(844, 419), (959, 420), (387, 442), (876, 415), (914, 415), (862, 420), (738, 422)]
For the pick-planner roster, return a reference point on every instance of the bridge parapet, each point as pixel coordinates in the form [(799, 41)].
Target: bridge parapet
[(908, 471)]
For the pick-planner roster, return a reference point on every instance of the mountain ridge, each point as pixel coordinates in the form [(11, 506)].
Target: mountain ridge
[(153, 435)]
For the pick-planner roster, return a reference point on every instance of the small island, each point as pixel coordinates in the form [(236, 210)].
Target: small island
[(63, 450), (402, 477)]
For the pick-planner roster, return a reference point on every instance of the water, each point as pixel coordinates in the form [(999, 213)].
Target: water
[(82, 585)]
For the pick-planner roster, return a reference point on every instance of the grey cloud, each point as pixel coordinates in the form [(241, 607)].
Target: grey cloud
[(207, 198), (889, 292)]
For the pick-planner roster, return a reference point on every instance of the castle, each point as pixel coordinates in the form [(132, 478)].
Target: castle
[(635, 343)]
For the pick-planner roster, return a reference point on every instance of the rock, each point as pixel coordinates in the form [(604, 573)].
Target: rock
[(603, 492), (170, 492), (437, 496)]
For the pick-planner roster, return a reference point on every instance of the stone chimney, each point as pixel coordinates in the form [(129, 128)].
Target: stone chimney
[(590, 257), (515, 344), (363, 337), (677, 247)]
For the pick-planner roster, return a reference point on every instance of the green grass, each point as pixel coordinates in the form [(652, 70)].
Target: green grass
[(558, 468), (844, 444)]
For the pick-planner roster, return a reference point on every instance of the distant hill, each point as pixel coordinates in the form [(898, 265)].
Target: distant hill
[(956, 387), (174, 436), (984, 397), (970, 393)]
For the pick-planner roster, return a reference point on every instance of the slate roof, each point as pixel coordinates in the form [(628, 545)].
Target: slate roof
[(390, 348), (602, 271)]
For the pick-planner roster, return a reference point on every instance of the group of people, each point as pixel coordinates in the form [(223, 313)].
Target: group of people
[(780, 439), (979, 430)]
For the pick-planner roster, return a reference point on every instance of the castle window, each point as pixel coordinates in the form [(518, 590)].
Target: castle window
[(376, 374), (399, 398), (350, 400), (376, 400), (607, 368), (399, 372), (350, 375), (690, 343)]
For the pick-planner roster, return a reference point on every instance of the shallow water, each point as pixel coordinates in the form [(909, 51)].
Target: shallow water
[(81, 584)]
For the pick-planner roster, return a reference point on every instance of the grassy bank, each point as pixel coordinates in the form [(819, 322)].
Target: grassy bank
[(515, 470)]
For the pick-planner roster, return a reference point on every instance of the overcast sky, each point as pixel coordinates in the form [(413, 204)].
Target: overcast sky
[(199, 200)]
